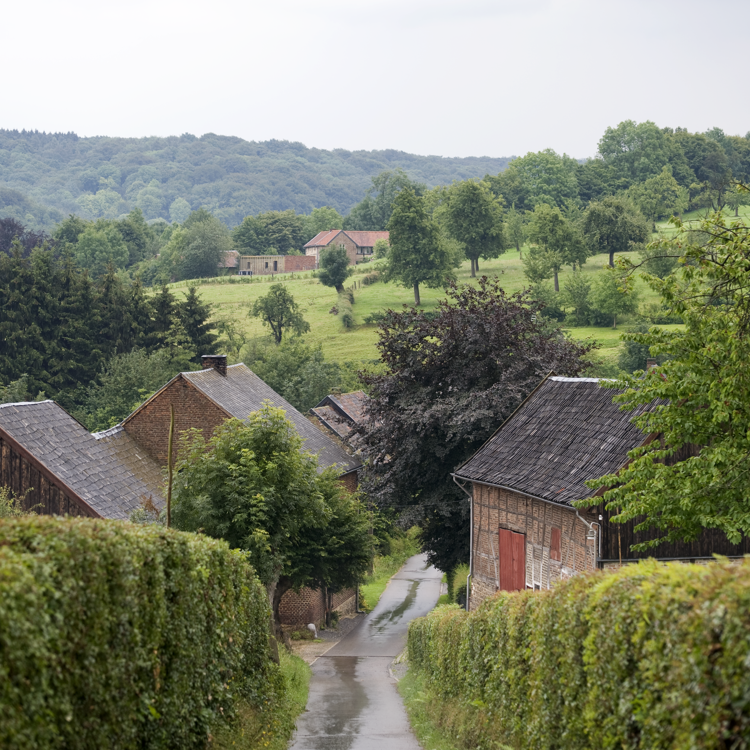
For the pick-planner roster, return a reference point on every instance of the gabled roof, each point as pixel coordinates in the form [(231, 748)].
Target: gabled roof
[(106, 470), (241, 392), (567, 431), (359, 238), (340, 412)]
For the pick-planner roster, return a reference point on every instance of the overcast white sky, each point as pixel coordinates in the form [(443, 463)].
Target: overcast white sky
[(470, 78)]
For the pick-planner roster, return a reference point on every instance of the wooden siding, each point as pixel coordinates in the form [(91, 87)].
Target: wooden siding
[(41, 491)]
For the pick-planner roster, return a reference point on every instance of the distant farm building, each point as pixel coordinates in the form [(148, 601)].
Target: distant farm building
[(358, 245), (259, 265)]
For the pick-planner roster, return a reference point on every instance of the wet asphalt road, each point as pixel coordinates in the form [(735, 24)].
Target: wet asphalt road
[(353, 702)]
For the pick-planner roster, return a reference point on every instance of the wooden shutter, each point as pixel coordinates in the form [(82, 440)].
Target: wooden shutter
[(512, 562), (555, 552)]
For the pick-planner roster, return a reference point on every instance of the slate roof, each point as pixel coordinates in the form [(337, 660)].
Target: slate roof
[(242, 392), (107, 470), (567, 431), (359, 238), (340, 412)]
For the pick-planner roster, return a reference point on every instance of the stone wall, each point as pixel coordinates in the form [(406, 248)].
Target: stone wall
[(495, 509)]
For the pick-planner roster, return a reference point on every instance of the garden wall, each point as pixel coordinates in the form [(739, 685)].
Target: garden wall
[(652, 656), (120, 636)]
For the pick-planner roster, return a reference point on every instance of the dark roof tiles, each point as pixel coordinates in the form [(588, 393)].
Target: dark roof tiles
[(566, 432), (106, 470), (241, 392)]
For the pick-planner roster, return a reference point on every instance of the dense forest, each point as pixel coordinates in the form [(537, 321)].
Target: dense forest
[(46, 176)]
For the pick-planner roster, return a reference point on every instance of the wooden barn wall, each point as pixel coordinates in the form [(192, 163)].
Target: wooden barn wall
[(617, 539), (39, 493)]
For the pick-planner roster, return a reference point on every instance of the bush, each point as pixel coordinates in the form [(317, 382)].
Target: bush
[(653, 656), (375, 317), (371, 278), (115, 635)]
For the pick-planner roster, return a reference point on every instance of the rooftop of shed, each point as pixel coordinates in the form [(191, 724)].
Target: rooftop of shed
[(567, 431)]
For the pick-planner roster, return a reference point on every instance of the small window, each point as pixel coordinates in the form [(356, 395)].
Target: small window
[(266, 264), (555, 551)]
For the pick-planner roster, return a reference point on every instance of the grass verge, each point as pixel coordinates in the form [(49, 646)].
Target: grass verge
[(445, 724), (386, 566), (269, 727)]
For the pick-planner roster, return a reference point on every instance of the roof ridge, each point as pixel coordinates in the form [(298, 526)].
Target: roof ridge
[(27, 403)]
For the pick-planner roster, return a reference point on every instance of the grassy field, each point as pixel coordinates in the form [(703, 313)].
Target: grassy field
[(232, 298)]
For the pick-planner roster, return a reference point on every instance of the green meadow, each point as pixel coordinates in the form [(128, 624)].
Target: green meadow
[(232, 297)]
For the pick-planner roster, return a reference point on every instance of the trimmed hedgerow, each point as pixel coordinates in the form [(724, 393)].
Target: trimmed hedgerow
[(653, 656), (121, 636)]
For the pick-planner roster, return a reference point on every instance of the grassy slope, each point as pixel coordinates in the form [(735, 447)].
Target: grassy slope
[(233, 300)]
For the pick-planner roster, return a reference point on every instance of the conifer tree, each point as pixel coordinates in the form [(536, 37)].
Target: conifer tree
[(195, 314)]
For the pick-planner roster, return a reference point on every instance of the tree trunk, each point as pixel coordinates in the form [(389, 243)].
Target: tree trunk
[(416, 295), (476, 264), (736, 210), (614, 323), (340, 288), (473, 270), (518, 247), (612, 259), (557, 282)]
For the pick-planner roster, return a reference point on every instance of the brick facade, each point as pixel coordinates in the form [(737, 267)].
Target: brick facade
[(342, 240), (149, 426), (349, 481), (495, 508), (300, 609)]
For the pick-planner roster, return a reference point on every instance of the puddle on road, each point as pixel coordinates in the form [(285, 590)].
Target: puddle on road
[(343, 709), (392, 615)]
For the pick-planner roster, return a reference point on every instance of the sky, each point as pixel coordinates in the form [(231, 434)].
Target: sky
[(445, 77)]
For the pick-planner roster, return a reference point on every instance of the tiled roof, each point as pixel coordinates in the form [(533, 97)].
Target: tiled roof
[(566, 432), (107, 469), (366, 239), (231, 259), (331, 418), (361, 239), (321, 239), (242, 392)]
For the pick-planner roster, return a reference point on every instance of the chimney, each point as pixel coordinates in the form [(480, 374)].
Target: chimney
[(216, 362), (650, 363)]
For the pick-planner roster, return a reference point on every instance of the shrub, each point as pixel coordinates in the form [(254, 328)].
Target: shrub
[(653, 656), (117, 635), (371, 278), (375, 317)]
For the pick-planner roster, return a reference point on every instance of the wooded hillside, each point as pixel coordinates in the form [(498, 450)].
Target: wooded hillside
[(46, 176)]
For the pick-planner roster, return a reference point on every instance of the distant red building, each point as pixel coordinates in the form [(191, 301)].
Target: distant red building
[(358, 245)]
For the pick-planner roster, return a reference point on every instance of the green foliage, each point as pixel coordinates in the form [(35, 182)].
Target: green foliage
[(269, 726), (380, 249), (335, 268), (613, 225), (651, 656), (514, 228), (613, 294), (473, 217), (417, 255), (233, 177), (704, 394), (659, 196), (635, 355), (575, 294), (321, 220), (300, 372), (272, 233), (374, 211), (658, 261), (11, 505), (280, 313), (126, 381), (17, 391), (125, 636)]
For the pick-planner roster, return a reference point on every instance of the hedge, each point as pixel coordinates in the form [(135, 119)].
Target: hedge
[(122, 636), (652, 656)]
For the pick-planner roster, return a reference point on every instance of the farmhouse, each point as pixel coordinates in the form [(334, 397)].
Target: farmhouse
[(358, 245), (260, 265), (525, 532), (59, 468)]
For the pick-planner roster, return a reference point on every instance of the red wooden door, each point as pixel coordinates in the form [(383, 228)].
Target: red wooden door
[(512, 562)]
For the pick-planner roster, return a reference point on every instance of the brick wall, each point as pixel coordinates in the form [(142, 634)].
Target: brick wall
[(300, 609), (150, 426), (495, 508), (341, 239), (298, 263), (349, 481)]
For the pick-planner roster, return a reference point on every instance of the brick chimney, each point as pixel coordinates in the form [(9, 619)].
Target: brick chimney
[(216, 362)]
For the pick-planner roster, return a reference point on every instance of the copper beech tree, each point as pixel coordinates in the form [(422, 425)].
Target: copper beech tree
[(451, 377)]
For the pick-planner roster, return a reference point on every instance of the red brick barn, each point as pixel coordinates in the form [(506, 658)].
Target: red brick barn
[(358, 244), (204, 400)]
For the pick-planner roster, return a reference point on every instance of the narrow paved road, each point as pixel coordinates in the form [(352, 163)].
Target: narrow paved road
[(353, 703)]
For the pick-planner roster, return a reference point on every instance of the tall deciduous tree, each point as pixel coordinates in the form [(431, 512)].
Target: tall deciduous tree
[(279, 312), (558, 239), (253, 485), (473, 217), (272, 232), (659, 196), (373, 212), (450, 380), (703, 392), (417, 256), (514, 228), (614, 225), (613, 294), (335, 268), (321, 220)]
